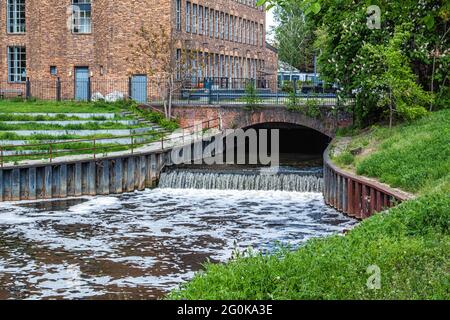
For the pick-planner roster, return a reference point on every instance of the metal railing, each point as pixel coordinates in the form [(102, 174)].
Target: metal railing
[(357, 196), (195, 91), (55, 149)]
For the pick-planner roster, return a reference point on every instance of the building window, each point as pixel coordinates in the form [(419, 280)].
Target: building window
[(15, 16), (53, 70), (206, 22), (217, 24), (222, 23), (200, 20), (178, 14), (17, 64), (81, 17), (188, 16), (227, 26), (211, 23), (194, 18)]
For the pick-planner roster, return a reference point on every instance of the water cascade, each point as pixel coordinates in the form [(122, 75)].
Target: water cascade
[(283, 179)]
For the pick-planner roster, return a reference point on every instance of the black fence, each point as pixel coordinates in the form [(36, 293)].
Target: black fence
[(223, 91)]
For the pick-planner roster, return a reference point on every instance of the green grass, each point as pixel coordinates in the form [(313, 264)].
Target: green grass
[(414, 157), (57, 117), (25, 111), (39, 106), (155, 117), (72, 148), (108, 125), (410, 243), (36, 138)]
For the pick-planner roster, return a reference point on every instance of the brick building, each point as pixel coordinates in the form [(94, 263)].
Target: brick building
[(79, 39)]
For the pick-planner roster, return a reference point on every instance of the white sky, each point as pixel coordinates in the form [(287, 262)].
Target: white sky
[(270, 21)]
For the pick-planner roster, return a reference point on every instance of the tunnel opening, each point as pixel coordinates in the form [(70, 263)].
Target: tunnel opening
[(299, 146)]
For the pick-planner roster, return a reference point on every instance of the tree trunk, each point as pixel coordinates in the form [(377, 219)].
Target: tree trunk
[(391, 109), (165, 108), (171, 88), (432, 77)]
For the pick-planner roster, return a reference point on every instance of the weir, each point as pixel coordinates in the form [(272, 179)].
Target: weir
[(276, 179), (356, 196)]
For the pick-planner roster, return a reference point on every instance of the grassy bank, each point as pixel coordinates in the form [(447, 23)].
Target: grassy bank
[(413, 157), (40, 106), (410, 244)]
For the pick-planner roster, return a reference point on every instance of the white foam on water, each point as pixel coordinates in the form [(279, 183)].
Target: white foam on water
[(150, 240), (98, 204)]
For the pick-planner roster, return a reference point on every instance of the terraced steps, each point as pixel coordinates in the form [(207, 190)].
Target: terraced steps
[(73, 122), (67, 129), (67, 115)]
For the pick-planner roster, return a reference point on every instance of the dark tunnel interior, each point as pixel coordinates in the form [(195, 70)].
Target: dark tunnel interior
[(298, 145)]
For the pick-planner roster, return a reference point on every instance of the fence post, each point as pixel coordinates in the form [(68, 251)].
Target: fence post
[(58, 89), (295, 88), (95, 149), (51, 152), (28, 89), (210, 94), (89, 89), (1, 156), (129, 87)]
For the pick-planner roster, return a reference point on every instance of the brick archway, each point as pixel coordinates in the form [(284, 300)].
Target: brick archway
[(234, 117)]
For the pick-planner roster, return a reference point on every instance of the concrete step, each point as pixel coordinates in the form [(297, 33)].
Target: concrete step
[(78, 115), (115, 132), (69, 122), (121, 141)]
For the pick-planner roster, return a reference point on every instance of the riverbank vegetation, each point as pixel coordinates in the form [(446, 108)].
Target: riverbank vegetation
[(410, 244), (413, 156), (398, 73), (392, 56)]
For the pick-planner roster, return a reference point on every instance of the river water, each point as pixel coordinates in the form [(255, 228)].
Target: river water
[(141, 245)]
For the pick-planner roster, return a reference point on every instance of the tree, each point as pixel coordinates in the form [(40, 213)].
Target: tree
[(154, 54), (294, 38), (391, 80), (342, 35)]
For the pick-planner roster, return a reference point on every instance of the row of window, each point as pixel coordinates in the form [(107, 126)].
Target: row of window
[(201, 65), (216, 24), (17, 64), (250, 3), (16, 17), (212, 65)]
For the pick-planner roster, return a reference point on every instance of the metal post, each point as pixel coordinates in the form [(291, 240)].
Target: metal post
[(28, 89), (89, 89), (58, 89), (51, 152), (95, 149), (132, 144), (210, 94), (129, 87)]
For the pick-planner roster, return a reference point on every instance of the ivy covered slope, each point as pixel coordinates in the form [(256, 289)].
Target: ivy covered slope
[(410, 243)]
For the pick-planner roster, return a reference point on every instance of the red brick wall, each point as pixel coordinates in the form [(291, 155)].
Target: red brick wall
[(234, 117), (114, 25)]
